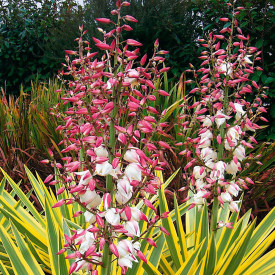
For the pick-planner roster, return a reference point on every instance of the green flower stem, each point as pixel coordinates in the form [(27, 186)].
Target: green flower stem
[(215, 206), (107, 255)]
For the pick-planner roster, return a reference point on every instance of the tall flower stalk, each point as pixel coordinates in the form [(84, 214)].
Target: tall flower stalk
[(110, 155), (224, 118)]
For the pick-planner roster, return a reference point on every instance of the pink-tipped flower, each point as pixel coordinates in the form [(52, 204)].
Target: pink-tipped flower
[(164, 231), (71, 52), (128, 213), (60, 191), (130, 18), (73, 267), (48, 178), (151, 242), (164, 145), (224, 19), (141, 256), (107, 201), (103, 20), (149, 204), (133, 42), (103, 46), (59, 203), (114, 249)]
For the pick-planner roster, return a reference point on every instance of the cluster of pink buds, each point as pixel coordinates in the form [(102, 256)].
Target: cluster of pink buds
[(110, 156), (222, 121)]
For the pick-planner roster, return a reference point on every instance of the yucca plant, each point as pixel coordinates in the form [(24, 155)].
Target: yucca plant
[(192, 248), (30, 240)]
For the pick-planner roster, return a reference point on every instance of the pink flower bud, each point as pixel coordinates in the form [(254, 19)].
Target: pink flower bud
[(103, 20), (101, 243), (59, 203), (60, 191), (99, 221), (151, 242), (130, 18), (162, 92), (77, 214), (164, 231), (150, 84), (224, 19), (48, 178), (103, 46), (219, 140), (72, 268), (127, 211), (122, 138), (114, 250), (149, 204), (115, 163), (141, 256), (71, 52), (125, 4), (156, 44), (249, 180), (133, 42), (61, 251)]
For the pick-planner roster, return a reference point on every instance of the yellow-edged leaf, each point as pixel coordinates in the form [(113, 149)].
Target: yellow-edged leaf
[(20, 266), (30, 259), (172, 240)]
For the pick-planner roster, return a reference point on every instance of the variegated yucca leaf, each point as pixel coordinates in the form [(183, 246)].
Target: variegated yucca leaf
[(30, 240), (192, 248)]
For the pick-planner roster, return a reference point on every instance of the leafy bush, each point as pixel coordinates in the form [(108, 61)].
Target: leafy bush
[(30, 40)]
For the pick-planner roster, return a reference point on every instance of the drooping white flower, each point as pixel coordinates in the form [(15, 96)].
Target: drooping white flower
[(133, 172), (234, 133), (198, 197), (112, 216), (218, 170), (232, 168), (131, 156), (233, 206), (82, 264), (132, 77), (126, 253), (90, 217), (101, 151), (103, 169), (124, 247), (206, 138), (89, 239), (136, 214), (239, 152), (239, 111), (199, 172), (83, 174), (208, 153), (91, 198), (226, 197), (226, 68), (124, 191), (220, 118), (133, 228), (233, 189), (207, 122), (199, 183), (126, 261)]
